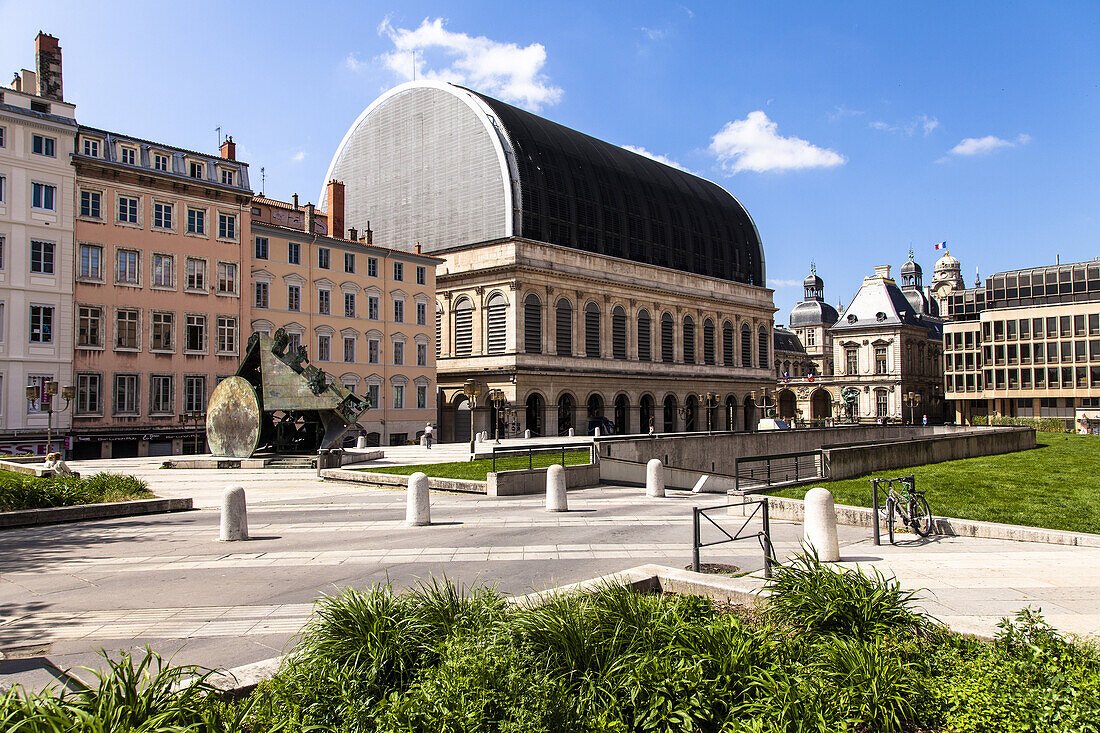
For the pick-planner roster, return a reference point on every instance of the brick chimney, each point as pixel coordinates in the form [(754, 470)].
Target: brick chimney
[(368, 235), (47, 56), (353, 234), (336, 209), (294, 201), (229, 149), (882, 271), (311, 216)]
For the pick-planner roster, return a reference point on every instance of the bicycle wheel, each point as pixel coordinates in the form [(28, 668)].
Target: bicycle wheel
[(920, 516), (890, 504)]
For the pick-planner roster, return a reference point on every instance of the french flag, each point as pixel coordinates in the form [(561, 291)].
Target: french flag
[(941, 245)]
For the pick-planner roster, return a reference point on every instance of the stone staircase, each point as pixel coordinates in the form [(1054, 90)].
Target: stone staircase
[(289, 462)]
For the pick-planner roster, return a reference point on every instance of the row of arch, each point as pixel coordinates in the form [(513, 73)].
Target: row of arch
[(620, 417)]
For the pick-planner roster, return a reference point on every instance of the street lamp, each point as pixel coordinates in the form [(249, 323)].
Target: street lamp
[(709, 402), (44, 395), (194, 417), (911, 400), (763, 405), (498, 399)]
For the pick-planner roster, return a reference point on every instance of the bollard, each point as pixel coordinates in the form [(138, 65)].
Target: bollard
[(596, 433), (423, 441), (526, 434), (571, 432), (234, 515), (655, 478), (361, 442), (819, 525), (418, 505), (555, 489)]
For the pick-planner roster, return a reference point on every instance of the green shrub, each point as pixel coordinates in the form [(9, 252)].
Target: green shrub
[(20, 491), (1041, 424)]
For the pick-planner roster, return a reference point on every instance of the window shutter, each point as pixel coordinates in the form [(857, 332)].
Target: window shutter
[(532, 325), (496, 321), (618, 333), (645, 352), (464, 328), (564, 332)]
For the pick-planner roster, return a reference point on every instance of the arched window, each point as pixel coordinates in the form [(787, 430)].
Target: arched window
[(708, 342), (618, 332), (763, 345), (592, 331), (496, 324), (464, 327), (564, 331), (667, 354), (645, 335), (727, 344), (670, 414), (532, 324), (689, 340), (746, 345), (438, 330)]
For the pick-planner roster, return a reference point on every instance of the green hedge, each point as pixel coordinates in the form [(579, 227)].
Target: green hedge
[(1042, 424), (20, 491)]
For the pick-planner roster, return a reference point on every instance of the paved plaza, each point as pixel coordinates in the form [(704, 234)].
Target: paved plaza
[(164, 580)]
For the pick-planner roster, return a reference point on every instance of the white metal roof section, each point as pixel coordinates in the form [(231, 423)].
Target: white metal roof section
[(879, 302)]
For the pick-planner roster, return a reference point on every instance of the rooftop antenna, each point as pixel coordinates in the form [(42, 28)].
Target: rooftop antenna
[(218, 129), (414, 64), (263, 180)]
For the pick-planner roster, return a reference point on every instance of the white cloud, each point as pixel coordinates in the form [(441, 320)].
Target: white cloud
[(299, 156), (840, 112), (353, 63), (784, 283), (656, 157), (987, 144), (921, 123), (654, 34), (506, 70), (752, 144)]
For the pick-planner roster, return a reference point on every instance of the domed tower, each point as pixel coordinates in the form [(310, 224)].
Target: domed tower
[(946, 279), (811, 320), (913, 288)]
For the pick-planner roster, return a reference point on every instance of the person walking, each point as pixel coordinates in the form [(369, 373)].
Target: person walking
[(652, 425), (428, 430)]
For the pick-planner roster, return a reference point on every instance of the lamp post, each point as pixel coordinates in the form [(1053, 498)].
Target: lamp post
[(769, 410), (193, 417), (709, 402), (498, 399), (44, 395), (911, 400)]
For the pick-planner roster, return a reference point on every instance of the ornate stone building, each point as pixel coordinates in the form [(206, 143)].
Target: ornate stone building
[(583, 285)]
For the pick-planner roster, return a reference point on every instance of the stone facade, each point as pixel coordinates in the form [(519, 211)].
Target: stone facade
[(562, 333)]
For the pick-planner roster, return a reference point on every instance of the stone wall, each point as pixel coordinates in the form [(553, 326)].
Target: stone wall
[(533, 481), (859, 460)]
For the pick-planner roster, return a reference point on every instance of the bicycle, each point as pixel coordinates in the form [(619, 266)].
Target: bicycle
[(910, 506)]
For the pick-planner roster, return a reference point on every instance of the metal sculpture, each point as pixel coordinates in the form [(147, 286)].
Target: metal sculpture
[(278, 401)]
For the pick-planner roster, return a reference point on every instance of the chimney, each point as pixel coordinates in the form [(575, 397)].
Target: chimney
[(418, 247), (47, 56), (294, 201), (882, 271), (353, 234), (368, 235), (310, 217), (229, 149), (336, 209)]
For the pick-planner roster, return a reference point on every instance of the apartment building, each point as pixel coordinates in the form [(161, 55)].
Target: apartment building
[(1027, 344), (36, 250), (163, 242), (364, 312)]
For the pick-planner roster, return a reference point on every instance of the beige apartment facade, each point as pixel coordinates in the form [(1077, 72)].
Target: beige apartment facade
[(37, 129), (363, 312), (163, 243), (577, 340)]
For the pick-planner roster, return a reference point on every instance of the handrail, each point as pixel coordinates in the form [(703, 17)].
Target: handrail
[(763, 536), (530, 450)]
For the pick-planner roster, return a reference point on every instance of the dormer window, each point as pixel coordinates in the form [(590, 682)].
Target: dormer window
[(880, 316), (227, 177), (196, 170), (129, 156), (160, 162), (91, 148), (852, 318)]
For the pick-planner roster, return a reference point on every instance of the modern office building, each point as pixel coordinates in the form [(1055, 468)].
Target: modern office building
[(37, 132), (163, 239), (366, 314), (1026, 344), (582, 284)]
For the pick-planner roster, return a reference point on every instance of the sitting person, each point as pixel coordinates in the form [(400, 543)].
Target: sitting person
[(58, 466)]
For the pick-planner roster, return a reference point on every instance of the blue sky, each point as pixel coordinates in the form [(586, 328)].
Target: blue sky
[(848, 130)]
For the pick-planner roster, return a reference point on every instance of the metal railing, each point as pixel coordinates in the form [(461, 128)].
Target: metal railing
[(763, 536), (511, 456), (781, 468), (877, 517)]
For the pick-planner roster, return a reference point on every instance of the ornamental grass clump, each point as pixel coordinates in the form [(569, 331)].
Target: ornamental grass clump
[(19, 491)]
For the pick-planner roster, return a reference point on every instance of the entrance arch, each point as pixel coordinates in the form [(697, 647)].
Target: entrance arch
[(646, 414), (691, 413), (536, 408), (786, 404), (731, 413), (750, 414), (567, 410), (670, 414), (462, 420), (622, 415), (821, 405)]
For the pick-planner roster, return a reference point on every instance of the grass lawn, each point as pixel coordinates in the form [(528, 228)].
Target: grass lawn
[(20, 491), (477, 470), (1057, 485)]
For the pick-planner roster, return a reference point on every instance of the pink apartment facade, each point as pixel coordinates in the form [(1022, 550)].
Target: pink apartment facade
[(163, 242)]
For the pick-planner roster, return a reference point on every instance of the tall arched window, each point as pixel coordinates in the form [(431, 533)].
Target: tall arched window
[(496, 324), (708, 342), (532, 324), (727, 344), (564, 328), (645, 337), (689, 340), (438, 330), (667, 354), (464, 327), (763, 346), (592, 331), (618, 332), (746, 345)]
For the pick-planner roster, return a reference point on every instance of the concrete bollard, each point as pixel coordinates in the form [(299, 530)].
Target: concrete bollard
[(556, 500), (234, 515), (361, 443), (418, 504), (423, 441), (655, 478), (526, 434), (571, 432), (596, 433), (819, 525)]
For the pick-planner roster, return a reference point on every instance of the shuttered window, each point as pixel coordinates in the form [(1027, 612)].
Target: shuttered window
[(645, 334), (464, 327), (708, 342), (763, 347), (727, 344), (592, 331), (496, 325), (746, 346), (689, 340), (532, 324), (564, 328), (438, 332), (618, 332), (667, 354)]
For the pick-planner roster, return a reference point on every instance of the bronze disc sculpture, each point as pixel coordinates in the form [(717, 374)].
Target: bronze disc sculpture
[(233, 419)]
